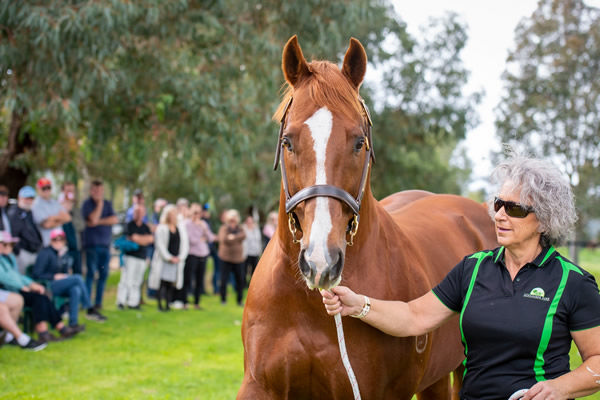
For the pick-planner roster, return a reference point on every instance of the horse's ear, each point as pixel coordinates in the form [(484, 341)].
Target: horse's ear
[(355, 63), (293, 63)]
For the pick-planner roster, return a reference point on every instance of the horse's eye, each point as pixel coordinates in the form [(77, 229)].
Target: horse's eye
[(285, 142), (360, 142)]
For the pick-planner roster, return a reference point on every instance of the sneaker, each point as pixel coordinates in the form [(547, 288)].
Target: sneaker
[(138, 307), (77, 328), (177, 305), (2, 335), (120, 306), (68, 332), (95, 315), (34, 345), (47, 337)]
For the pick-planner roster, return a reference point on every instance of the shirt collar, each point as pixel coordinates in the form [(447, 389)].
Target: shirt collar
[(539, 261)]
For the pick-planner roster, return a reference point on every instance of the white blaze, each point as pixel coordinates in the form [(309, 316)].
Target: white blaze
[(320, 125)]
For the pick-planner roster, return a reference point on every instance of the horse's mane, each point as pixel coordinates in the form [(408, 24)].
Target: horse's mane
[(327, 87)]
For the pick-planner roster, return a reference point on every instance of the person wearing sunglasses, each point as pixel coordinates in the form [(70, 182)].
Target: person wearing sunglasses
[(521, 304), (48, 213)]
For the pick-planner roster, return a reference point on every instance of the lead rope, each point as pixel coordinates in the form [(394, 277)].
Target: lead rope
[(344, 354)]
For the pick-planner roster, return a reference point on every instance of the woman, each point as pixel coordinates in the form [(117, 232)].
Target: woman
[(231, 253), (171, 248), (252, 245), (34, 294), (520, 305), (200, 236)]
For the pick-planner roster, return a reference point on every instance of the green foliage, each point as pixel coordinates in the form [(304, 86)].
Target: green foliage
[(425, 114), (176, 97), (551, 105)]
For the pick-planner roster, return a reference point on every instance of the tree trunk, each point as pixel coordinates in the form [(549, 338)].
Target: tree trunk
[(16, 144)]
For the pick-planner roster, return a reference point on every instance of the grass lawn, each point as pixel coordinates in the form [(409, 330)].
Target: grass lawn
[(150, 355), (135, 355)]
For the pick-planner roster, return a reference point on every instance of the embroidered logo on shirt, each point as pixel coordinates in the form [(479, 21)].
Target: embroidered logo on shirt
[(537, 293)]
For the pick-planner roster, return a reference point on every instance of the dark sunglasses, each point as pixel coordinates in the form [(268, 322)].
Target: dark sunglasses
[(512, 209), (3, 193), (46, 187), (58, 239)]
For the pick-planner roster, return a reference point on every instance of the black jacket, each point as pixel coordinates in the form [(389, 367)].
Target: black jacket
[(23, 227)]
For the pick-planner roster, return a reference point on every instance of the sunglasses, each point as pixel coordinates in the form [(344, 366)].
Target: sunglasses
[(46, 187), (58, 239), (3, 193), (512, 209)]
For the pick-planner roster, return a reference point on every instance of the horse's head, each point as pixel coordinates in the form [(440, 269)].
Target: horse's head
[(324, 150)]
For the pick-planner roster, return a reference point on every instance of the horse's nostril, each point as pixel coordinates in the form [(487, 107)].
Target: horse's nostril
[(336, 268), (304, 266)]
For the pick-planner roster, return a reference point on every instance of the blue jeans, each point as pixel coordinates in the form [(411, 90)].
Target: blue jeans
[(73, 288), (97, 258)]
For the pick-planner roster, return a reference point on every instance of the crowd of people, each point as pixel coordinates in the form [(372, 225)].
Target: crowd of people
[(46, 241)]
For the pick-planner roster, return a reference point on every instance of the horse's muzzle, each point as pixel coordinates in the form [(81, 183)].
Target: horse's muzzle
[(323, 276)]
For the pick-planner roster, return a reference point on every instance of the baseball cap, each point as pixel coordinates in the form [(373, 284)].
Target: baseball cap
[(6, 237), (56, 232), (27, 192), (43, 182), (206, 206)]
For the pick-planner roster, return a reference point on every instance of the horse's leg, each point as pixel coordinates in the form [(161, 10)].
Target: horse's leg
[(440, 390), (457, 378)]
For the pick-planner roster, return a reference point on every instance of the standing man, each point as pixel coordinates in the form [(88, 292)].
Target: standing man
[(24, 228), (4, 220), (47, 212), (99, 218)]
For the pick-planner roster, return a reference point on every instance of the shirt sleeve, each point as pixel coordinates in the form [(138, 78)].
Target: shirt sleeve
[(585, 307), (450, 290)]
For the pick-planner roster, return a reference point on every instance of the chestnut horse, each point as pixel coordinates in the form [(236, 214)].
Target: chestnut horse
[(402, 247)]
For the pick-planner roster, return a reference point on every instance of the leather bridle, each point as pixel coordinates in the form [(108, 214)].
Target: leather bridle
[(292, 201)]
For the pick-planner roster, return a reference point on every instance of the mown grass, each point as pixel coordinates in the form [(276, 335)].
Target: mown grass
[(150, 355), (135, 355)]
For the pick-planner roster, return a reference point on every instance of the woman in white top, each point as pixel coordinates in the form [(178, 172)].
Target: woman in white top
[(172, 246)]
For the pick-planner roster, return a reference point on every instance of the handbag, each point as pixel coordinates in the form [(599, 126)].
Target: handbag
[(168, 272)]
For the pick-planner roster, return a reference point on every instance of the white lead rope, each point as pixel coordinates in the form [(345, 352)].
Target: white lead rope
[(344, 354)]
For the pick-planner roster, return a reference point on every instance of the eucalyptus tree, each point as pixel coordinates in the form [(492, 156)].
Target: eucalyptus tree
[(552, 101)]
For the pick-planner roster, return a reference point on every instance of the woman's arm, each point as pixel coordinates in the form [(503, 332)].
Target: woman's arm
[(582, 381), (395, 318)]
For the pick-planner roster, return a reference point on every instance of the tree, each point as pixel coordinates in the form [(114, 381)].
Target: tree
[(552, 102), (175, 97), (425, 113)]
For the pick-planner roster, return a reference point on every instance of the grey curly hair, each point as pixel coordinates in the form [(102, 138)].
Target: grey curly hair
[(543, 187)]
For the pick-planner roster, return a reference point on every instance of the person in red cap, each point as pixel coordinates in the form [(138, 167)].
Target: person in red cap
[(48, 213)]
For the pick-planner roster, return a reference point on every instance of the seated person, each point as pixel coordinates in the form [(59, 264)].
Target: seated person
[(33, 293), (11, 305), (50, 266)]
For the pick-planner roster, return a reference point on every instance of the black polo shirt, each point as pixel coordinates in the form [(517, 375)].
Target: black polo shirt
[(517, 333)]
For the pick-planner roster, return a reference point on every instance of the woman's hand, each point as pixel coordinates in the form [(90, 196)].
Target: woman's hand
[(545, 390), (342, 300), (36, 287)]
